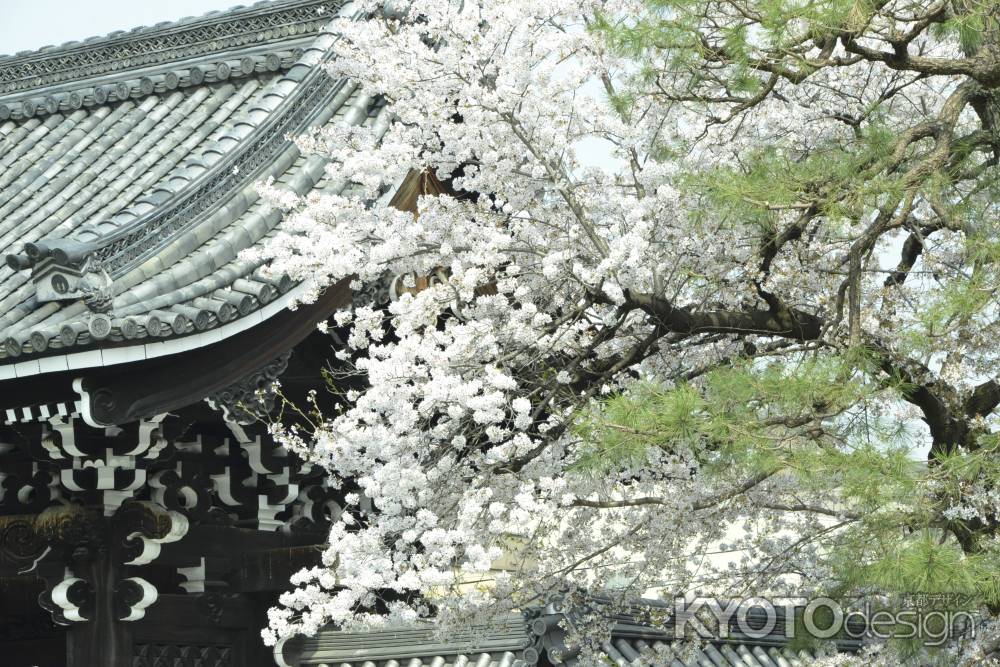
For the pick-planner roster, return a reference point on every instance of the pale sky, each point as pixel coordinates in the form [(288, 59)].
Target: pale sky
[(30, 24)]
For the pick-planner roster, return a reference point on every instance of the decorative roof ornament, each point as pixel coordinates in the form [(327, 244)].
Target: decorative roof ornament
[(395, 10), (375, 294), (97, 288), (244, 401), (63, 270)]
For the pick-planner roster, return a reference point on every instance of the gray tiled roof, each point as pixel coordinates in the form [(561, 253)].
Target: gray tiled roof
[(157, 191), (516, 642), (494, 645), (621, 652), (135, 63)]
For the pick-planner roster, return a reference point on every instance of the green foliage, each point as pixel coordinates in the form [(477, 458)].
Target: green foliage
[(754, 417), (870, 478), (625, 426), (960, 298), (815, 419), (675, 25), (909, 564), (839, 178), (740, 415), (967, 28), (622, 103)]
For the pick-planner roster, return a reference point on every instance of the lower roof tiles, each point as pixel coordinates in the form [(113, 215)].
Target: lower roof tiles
[(514, 641)]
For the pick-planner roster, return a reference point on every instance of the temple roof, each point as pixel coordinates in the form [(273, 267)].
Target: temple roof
[(127, 172), (640, 635), (163, 57)]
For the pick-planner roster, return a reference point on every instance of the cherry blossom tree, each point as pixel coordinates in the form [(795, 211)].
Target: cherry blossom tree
[(695, 275)]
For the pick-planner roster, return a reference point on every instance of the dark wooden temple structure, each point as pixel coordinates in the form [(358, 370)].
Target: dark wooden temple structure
[(147, 518)]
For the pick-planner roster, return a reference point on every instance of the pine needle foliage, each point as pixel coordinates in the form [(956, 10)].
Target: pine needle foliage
[(800, 419)]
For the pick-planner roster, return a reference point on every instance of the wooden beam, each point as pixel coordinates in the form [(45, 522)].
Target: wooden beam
[(230, 543), (199, 611), (271, 570)]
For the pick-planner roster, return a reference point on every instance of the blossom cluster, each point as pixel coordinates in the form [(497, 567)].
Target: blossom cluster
[(572, 237)]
